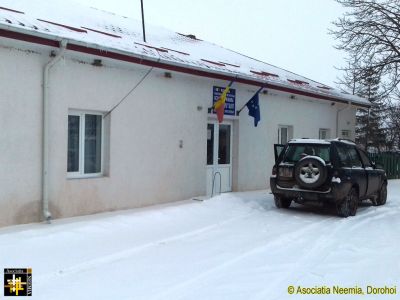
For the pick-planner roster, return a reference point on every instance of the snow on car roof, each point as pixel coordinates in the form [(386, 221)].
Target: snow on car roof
[(318, 141), (309, 141), (62, 19)]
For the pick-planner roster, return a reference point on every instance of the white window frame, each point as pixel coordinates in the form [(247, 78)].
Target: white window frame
[(348, 134), (327, 133), (289, 130), (80, 174)]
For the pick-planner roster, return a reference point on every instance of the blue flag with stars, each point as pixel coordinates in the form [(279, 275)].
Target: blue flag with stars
[(254, 107)]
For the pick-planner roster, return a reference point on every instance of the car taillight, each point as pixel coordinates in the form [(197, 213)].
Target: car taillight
[(274, 170)]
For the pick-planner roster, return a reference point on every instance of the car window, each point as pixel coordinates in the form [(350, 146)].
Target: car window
[(348, 156), (295, 152), (365, 159), (354, 157)]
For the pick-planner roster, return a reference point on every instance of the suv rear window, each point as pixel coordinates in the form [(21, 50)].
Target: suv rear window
[(295, 152)]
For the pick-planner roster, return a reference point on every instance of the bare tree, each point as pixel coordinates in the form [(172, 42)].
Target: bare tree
[(370, 124), (370, 32)]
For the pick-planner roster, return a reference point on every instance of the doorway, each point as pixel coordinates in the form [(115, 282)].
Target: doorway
[(219, 157)]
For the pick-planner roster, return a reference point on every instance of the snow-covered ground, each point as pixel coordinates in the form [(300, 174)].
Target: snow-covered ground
[(235, 246)]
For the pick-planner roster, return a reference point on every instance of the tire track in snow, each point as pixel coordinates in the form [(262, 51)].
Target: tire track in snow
[(110, 258), (171, 292), (305, 263)]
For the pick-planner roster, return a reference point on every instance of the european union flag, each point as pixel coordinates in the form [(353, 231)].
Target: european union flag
[(254, 108)]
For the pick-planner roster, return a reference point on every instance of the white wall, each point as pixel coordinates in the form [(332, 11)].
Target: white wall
[(146, 164), (20, 123), (256, 154)]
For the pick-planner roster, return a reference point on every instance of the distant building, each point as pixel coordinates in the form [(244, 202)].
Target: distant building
[(78, 138)]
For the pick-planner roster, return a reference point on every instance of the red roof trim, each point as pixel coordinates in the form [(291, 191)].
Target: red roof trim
[(165, 66), (214, 62), (152, 47), (102, 32), (180, 52), (262, 73), (232, 65), (297, 81), (65, 26), (13, 10)]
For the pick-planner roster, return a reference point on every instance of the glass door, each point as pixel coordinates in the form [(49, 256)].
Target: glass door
[(219, 157)]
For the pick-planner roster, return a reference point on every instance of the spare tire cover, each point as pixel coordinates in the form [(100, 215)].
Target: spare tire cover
[(310, 172)]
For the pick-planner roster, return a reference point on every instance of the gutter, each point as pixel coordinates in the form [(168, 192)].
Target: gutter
[(92, 49), (45, 128)]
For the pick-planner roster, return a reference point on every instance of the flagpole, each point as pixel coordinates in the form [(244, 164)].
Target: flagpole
[(259, 90), (144, 31)]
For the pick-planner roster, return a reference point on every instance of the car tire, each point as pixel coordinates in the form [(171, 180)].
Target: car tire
[(382, 195), (310, 172), (282, 202), (349, 205)]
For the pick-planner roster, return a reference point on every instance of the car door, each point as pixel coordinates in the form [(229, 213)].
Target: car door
[(278, 148), (358, 172), (353, 167), (373, 174)]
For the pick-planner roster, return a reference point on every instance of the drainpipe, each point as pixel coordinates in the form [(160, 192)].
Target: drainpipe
[(337, 117), (45, 128)]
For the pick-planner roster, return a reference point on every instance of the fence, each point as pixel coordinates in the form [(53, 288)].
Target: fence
[(389, 161)]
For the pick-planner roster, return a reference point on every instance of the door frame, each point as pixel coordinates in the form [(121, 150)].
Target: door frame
[(214, 167)]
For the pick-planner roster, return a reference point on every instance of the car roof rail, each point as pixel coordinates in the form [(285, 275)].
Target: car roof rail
[(346, 140)]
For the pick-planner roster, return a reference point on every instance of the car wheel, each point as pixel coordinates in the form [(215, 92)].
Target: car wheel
[(382, 195), (310, 172), (349, 205), (282, 202)]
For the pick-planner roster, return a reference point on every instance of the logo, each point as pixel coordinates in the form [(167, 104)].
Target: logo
[(18, 282)]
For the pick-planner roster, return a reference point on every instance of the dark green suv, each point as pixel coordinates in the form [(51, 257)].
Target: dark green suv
[(332, 171)]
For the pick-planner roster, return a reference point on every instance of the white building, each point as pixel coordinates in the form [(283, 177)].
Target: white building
[(68, 148)]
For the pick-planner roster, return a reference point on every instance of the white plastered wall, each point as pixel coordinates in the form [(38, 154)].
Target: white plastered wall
[(146, 164)]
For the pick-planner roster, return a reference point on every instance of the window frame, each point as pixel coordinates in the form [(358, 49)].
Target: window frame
[(327, 133), (289, 133), (81, 169), (347, 135)]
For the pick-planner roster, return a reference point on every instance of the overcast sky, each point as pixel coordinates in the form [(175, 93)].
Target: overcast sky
[(291, 34)]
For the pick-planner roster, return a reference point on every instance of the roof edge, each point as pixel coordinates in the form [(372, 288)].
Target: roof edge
[(52, 41)]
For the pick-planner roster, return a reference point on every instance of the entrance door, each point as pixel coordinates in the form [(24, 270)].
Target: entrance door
[(219, 157)]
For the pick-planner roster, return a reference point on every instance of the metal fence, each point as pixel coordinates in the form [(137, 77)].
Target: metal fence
[(389, 161)]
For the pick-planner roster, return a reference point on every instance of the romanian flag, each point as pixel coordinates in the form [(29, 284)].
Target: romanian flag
[(219, 105)]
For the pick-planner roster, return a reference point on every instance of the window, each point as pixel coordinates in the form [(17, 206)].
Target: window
[(210, 144), (346, 134), (285, 133), (365, 159), (348, 156), (324, 133), (296, 152), (85, 144), (224, 145)]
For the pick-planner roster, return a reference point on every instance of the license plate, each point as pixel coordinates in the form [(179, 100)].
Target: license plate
[(285, 172)]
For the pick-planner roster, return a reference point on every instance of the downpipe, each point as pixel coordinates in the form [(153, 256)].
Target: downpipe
[(348, 106), (45, 127)]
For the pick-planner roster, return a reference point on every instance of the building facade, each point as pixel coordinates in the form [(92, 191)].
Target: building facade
[(87, 131)]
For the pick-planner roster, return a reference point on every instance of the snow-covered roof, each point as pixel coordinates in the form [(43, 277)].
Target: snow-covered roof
[(97, 29)]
